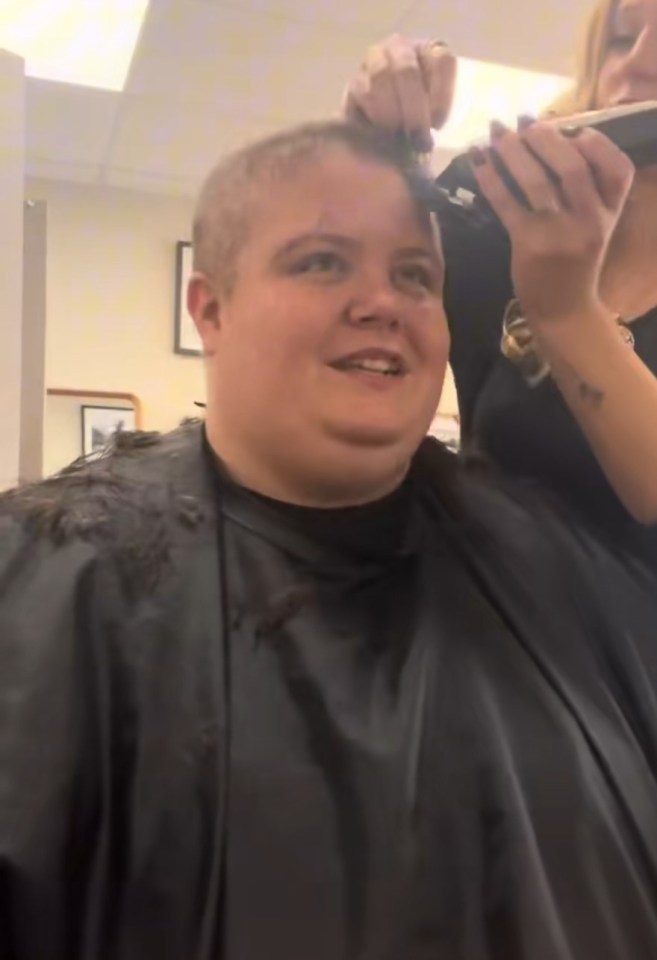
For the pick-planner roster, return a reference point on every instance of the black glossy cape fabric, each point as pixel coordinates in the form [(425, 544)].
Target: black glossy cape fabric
[(222, 739)]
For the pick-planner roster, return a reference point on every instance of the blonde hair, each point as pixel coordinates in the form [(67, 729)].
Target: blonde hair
[(581, 96)]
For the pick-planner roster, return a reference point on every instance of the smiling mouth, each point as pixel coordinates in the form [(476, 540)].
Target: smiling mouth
[(385, 366)]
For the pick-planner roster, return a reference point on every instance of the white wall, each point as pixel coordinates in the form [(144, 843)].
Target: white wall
[(12, 163), (33, 341), (110, 297)]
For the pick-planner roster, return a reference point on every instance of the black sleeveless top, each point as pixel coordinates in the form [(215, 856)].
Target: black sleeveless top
[(528, 432)]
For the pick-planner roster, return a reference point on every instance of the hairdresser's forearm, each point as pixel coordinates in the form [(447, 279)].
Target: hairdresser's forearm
[(613, 397)]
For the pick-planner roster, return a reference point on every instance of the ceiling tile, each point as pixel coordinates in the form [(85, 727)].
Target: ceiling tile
[(68, 124), (380, 15), (310, 83), (543, 36), (209, 74), (178, 142), (242, 60), (204, 51)]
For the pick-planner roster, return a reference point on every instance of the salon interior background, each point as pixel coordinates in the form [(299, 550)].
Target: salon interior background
[(115, 110)]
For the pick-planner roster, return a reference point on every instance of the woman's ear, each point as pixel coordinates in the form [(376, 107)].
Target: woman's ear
[(203, 306)]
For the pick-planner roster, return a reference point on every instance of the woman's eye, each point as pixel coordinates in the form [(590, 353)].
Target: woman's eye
[(418, 276), (321, 262), (623, 41)]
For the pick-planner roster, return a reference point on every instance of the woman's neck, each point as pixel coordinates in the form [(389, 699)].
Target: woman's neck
[(629, 282), (638, 224), (304, 483)]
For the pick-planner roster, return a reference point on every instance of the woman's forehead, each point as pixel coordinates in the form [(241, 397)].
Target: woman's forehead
[(351, 195)]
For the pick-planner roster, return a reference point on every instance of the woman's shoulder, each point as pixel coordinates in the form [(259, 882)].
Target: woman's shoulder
[(123, 508)]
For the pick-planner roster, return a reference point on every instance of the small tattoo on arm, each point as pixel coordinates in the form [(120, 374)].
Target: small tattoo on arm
[(588, 392), (591, 394)]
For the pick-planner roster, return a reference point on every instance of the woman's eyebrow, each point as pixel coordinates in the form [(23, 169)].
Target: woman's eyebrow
[(416, 251), (314, 236)]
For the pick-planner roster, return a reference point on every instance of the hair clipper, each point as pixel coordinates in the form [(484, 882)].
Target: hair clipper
[(632, 127)]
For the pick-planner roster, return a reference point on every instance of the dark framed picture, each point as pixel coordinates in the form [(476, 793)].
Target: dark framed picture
[(100, 424), (186, 339)]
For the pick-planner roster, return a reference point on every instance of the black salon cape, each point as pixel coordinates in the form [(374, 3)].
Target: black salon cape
[(221, 740)]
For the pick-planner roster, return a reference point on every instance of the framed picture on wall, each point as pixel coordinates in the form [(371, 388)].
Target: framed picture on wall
[(100, 424), (186, 339)]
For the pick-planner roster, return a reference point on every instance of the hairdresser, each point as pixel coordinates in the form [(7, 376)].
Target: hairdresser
[(554, 333)]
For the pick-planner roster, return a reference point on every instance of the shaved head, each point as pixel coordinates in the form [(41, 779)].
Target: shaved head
[(227, 201)]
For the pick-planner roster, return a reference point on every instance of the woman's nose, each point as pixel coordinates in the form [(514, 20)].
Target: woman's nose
[(375, 304)]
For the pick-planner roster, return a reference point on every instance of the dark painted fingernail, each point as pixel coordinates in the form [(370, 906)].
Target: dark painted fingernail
[(498, 129), (571, 131), (525, 121), (477, 156)]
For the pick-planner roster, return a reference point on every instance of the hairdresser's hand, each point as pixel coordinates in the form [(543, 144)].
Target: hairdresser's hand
[(403, 85), (576, 188)]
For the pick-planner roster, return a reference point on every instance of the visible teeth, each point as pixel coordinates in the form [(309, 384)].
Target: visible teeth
[(375, 366)]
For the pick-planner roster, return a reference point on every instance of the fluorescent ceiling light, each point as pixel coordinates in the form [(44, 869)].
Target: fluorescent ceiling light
[(490, 91), (87, 42)]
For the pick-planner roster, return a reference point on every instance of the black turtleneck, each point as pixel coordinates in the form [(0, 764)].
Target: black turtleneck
[(376, 529)]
